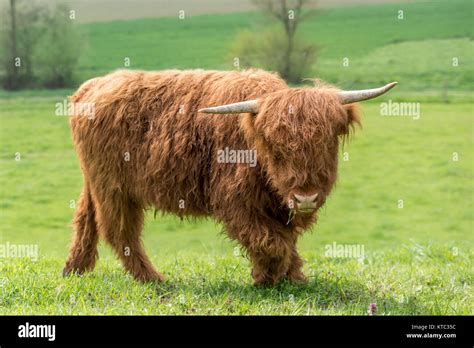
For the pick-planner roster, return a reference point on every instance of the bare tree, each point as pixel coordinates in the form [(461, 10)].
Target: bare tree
[(290, 13), (20, 29), (12, 72)]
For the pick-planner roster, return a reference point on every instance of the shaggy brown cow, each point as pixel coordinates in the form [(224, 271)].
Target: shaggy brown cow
[(148, 146)]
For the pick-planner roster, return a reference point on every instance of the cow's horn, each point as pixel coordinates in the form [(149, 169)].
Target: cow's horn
[(348, 97), (235, 108)]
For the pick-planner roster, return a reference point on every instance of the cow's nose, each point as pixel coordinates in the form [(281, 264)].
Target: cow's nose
[(306, 204)]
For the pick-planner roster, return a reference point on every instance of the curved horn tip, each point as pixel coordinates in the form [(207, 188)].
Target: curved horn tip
[(349, 97), (391, 84)]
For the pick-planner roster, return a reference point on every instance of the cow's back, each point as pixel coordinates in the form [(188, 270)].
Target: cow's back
[(146, 139)]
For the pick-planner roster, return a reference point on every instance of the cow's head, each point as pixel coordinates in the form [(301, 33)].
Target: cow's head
[(296, 133)]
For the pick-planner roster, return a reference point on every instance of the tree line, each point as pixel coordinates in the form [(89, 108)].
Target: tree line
[(40, 46)]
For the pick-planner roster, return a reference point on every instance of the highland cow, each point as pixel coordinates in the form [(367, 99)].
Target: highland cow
[(153, 142)]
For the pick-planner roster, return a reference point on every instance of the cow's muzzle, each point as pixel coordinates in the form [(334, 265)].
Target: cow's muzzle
[(306, 204)]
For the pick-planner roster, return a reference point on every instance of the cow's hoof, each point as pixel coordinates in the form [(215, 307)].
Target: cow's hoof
[(152, 277), (298, 280)]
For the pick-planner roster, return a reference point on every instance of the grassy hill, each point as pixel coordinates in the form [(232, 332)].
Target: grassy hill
[(417, 50)]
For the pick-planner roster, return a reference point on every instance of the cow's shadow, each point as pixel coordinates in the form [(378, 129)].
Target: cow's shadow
[(321, 295)]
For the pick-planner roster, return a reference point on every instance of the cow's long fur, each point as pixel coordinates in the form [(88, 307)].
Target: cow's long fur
[(148, 147)]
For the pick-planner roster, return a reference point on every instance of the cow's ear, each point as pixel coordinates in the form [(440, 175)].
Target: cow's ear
[(353, 114), (351, 119)]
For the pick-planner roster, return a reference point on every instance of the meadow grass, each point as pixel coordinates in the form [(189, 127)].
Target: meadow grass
[(404, 281), (418, 258)]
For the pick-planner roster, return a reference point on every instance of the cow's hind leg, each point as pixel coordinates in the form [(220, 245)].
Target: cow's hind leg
[(83, 252), (121, 222)]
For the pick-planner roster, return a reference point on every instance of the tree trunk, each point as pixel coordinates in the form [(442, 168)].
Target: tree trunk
[(287, 67), (12, 72)]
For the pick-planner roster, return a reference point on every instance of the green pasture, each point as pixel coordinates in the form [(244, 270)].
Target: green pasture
[(404, 192), (420, 252)]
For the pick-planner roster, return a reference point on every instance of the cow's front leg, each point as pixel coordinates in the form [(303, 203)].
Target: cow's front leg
[(269, 248), (295, 274), (269, 268), (277, 261)]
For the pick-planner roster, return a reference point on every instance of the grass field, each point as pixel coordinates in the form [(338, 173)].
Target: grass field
[(418, 259)]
